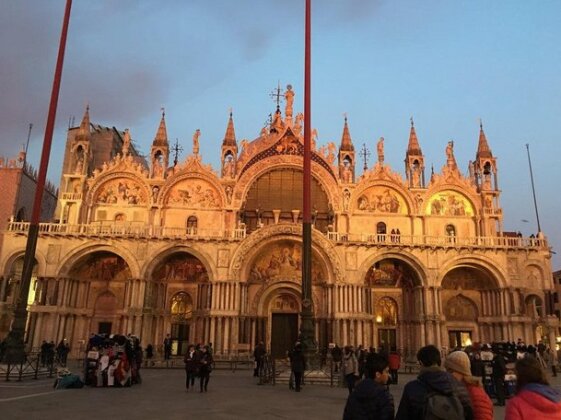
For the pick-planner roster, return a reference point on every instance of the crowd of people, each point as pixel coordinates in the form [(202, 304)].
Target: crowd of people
[(460, 386)]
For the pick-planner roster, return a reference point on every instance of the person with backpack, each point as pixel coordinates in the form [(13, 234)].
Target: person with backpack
[(458, 364), (535, 398), (435, 394), (371, 398)]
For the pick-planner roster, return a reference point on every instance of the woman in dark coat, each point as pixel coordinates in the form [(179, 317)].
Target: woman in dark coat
[(191, 360), (298, 365), (205, 367)]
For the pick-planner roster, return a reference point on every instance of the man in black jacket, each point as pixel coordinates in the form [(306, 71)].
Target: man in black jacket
[(499, 371), (432, 380), (371, 399)]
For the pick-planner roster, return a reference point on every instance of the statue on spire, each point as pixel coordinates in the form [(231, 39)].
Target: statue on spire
[(196, 141), (289, 97), (380, 150), (450, 159)]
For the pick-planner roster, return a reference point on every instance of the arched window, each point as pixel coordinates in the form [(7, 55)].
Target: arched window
[(120, 217), (381, 231), (451, 232), (181, 306), (386, 311), (192, 225)]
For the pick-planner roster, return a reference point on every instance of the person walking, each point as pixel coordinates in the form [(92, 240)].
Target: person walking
[(434, 393), (258, 354), (457, 363), (191, 360), (205, 367), (297, 365), (349, 367), (535, 398), (167, 347), (394, 363), (371, 398), (498, 377)]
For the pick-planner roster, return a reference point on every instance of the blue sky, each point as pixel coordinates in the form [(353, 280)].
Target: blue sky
[(445, 63)]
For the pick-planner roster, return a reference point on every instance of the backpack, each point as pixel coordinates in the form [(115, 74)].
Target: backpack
[(442, 406)]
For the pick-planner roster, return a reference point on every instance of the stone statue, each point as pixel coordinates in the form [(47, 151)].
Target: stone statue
[(289, 97), (380, 150), (79, 166), (196, 141), (450, 159)]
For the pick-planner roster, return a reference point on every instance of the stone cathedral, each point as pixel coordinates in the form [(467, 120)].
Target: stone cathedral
[(153, 246)]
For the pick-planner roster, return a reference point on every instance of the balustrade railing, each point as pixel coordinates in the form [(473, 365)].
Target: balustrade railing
[(129, 229), (141, 230), (439, 241)]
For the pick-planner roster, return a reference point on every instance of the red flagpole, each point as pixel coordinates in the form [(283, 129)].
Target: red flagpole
[(15, 340), (307, 325)]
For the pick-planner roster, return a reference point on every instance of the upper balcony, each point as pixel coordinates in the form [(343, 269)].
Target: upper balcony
[(141, 230)]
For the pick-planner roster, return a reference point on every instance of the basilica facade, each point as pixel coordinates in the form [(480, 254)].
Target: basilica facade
[(163, 247)]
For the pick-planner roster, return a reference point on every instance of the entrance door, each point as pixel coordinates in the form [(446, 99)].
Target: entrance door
[(284, 333), (459, 338), (179, 338), (104, 328), (387, 339)]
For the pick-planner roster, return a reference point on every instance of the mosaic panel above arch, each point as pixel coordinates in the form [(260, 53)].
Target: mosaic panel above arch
[(121, 191), (193, 193), (460, 308), (381, 199), (181, 267), (282, 260), (101, 265), (449, 203), (391, 273), (181, 306)]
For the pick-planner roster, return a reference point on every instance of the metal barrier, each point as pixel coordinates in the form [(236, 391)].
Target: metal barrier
[(31, 368)]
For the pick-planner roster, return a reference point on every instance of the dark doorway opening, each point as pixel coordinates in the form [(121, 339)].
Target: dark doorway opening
[(284, 333), (387, 339), (179, 338), (104, 328)]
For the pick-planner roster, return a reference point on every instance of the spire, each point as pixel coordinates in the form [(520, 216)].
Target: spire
[(84, 130), (346, 142), (161, 138), (230, 136), (483, 150), (413, 147)]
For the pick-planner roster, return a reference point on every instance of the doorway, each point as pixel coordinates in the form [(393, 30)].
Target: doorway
[(104, 328), (387, 339), (284, 333), (459, 338), (179, 338)]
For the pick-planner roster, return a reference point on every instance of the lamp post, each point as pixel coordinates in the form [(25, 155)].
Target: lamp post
[(15, 349)]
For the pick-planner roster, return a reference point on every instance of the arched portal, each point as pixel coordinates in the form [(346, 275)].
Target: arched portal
[(393, 297), (10, 292), (178, 289), (106, 276), (469, 292)]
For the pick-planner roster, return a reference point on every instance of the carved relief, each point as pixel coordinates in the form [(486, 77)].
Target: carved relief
[(381, 200), (194, 193), (223, 257), (449, 203), (121, 192), (285, 303)]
